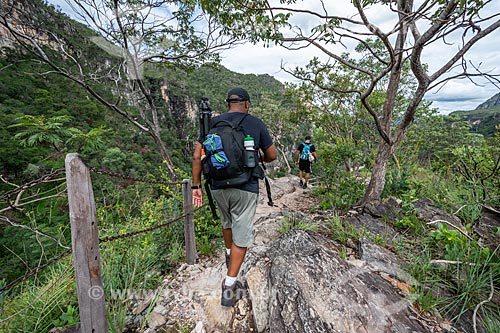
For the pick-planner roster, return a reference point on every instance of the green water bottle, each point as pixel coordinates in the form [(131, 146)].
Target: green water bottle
[(249, 152)]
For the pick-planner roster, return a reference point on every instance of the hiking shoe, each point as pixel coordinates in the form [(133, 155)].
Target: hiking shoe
[(231, 294), (301, 183), (227, 260), (305, 186)]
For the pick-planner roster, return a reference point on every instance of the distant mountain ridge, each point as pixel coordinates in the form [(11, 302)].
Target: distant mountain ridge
[(485, 118), (490, 103)]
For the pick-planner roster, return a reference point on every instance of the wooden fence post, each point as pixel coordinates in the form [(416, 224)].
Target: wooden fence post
[(85, 245), (189, 236)]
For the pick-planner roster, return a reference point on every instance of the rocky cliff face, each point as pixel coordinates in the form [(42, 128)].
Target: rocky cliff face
[(28, 17), (184, 110), (491, 102)]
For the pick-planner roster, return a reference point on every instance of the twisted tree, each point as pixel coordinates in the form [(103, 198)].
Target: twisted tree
[(409, 32)]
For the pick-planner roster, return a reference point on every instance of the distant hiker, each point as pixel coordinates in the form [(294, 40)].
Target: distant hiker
[(304, 156), (237, 202)]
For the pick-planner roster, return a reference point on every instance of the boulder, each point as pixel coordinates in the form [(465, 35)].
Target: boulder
[(389, 209), (371, 224), (428, 213), (488, 227)]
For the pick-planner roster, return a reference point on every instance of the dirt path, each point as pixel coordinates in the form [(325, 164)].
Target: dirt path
[(192, 297)]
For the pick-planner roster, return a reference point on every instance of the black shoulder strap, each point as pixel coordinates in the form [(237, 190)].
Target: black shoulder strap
[(230, 123), (242, 118)]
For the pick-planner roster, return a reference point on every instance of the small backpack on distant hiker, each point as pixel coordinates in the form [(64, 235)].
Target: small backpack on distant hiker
[(306, 152), (230, 155)]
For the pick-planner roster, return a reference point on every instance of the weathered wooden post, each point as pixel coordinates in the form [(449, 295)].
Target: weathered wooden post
[(189, 236), (85, 245)]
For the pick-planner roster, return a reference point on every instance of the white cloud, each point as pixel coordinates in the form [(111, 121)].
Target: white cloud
[(256, 59), (460, 95)]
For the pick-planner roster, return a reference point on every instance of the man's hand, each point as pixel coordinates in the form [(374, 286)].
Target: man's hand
[(296, 163), (197, 197)]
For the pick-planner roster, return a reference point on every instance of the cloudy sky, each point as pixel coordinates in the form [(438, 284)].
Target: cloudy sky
[(455, 95)]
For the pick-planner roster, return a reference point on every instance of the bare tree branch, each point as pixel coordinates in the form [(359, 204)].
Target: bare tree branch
[(7, 221)]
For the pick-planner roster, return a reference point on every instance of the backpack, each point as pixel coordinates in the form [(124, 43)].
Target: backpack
[(224, 164), (306, 152)]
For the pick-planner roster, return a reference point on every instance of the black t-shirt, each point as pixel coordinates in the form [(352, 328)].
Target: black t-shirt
[(254, 127), (312, 148)]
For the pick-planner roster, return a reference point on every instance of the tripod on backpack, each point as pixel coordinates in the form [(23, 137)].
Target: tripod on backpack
[(205, 115)]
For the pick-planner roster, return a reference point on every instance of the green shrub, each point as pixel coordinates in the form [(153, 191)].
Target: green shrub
[(208, 232), (343, 194), (290, 222), (396, 183), (68, 318)]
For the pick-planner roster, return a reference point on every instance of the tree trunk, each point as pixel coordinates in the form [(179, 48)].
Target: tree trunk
[(377, 180), (281, 149), (165, 156)]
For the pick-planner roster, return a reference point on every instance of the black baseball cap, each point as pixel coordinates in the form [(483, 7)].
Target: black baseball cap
[(308, 137), (240, 92)]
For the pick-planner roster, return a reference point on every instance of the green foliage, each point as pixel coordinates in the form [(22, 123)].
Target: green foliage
[(479, 165), (474, 279), (37, 304), (214, 81), (208, 232), (396, 183), (40, 131), (114, 160), (289, 221), (2, 298), (68, 318), (347, 190), (410, 221), (426, 301), (90, 142), (418, 263), (341, 231), (447, 238)]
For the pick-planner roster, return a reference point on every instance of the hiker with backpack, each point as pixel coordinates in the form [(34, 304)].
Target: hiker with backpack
[(304, 156), (228, 155)]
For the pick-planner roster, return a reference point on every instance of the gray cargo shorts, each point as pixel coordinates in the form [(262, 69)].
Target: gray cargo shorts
[(237, 209)]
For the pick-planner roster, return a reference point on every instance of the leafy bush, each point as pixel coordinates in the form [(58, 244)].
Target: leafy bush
[(449, 239), (343, 194), (68, 318), (208, 232)]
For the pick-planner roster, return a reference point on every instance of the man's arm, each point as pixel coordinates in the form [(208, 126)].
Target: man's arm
[(270, 153), (196, 174), (297, 153)]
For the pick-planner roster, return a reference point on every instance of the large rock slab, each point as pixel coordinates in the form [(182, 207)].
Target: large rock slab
[(301, 285)]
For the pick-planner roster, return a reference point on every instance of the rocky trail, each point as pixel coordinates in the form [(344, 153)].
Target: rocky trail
[(192, 296), (295, 282)]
